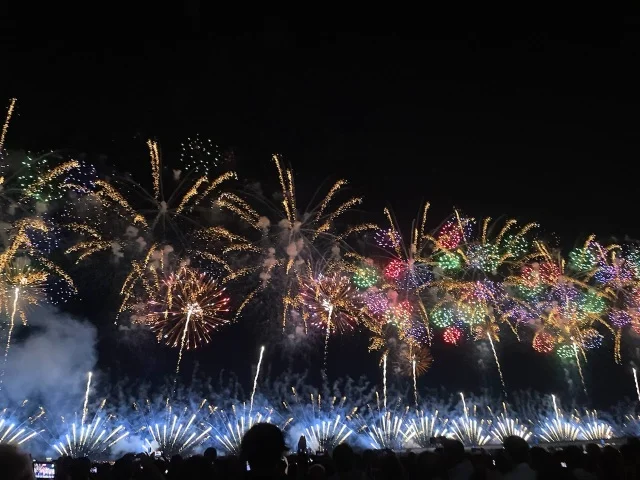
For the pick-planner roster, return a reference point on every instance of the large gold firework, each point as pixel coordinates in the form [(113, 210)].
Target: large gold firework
[(152, 225), (188, 307), (295, 239)]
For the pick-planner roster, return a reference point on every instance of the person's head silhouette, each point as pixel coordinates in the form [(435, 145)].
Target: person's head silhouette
[(262, 447)]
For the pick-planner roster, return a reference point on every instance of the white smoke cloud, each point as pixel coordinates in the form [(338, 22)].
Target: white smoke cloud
[(50, 365), (130, 444)]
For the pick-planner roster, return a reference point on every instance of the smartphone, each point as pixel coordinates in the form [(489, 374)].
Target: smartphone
[(563, 464), (44, 470), (248, 467), (94, 470)]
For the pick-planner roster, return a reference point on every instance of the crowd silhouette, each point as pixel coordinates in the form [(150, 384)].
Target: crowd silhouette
[(264, 456)]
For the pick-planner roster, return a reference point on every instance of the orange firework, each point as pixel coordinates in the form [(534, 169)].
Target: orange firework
[(187, 308)]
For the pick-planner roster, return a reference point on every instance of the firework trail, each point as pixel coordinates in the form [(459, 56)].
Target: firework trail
[(5, 126), (255, 380), (468, 429), (86, 398), (92, 439)]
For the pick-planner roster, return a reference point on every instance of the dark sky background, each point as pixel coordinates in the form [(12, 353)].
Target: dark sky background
[(540, 122)]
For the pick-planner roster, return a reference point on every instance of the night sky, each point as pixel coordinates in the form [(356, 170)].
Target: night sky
[(539, 123)]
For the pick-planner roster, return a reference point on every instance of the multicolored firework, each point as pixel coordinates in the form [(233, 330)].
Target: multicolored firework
[(298, 239), (331, 302)]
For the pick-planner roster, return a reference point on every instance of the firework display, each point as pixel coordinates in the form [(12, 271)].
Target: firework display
[(193, 251)]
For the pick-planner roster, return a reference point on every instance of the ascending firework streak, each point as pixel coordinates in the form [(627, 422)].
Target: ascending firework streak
[(16, 294), (467, 429), (415, 383), (87, 440), (558, 429), (384, 381), (255, 380), (9, 434), (332, 304), (495, 357), (584, 385), (5, 127), (86, 398), (635, 379)]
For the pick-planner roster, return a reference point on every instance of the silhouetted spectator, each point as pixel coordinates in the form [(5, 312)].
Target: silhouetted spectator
[(576, 463), (344, 462), (14, 465), (517, 452), (455, 461), (612, 466), (262, 447), (80, 469), (211, 454), (390, 467), (316, 472), (540, 461)]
